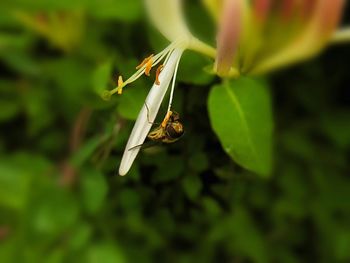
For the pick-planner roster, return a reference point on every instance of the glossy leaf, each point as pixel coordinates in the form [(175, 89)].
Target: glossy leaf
[(132, 101), (240, 114), (93, 190), (102, 76)]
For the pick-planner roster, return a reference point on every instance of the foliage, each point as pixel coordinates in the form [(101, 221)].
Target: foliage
[(241, 115), (60, 200)]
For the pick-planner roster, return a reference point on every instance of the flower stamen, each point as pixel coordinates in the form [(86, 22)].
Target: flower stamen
[(148, 68), (120, 85), (145, 68), (159, 69), (166, 119), (173, 85), (144, 61)]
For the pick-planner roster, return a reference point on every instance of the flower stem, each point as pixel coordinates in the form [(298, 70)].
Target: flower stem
[(341, 36), (199, 46)]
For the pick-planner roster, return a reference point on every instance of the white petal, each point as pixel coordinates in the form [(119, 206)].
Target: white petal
[(167, 16), (153, 101)]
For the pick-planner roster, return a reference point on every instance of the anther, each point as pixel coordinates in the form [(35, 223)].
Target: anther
[(120, 85), (159, 69), (148, 67), (144, 62)]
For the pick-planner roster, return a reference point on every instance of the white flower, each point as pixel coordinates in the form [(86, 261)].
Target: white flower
[(146, 116), (167, 16)]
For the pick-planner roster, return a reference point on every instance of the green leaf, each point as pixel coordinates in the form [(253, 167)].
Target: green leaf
[(101, 9), (94, 190), (8, 109), (105, 252), (102, 76), (192, 186), (17, 173), (80, 236), (191, 69), (198, 162), (241, 116), (116, 9), (211, 207), (20, 61), (85, 152), (15, 184), (54, 211), (131, 102), (336, 126), (249, 238)]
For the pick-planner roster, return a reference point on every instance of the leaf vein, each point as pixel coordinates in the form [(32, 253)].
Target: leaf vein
[(244, 121)]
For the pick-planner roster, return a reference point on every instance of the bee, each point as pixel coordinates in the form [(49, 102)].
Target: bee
[(170, 130)]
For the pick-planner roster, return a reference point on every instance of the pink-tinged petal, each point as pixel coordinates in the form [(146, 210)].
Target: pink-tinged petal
[(167, 17), (261, 9), (307, 8), (295, 9), (323, 20), (229, 34), (329, 15), (287, 9), (318, 30)]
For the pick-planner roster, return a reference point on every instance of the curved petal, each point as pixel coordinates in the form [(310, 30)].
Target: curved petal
[(261, 9), (314, 37), (146, 116), (167, 16), (213, 7), (229, 35)]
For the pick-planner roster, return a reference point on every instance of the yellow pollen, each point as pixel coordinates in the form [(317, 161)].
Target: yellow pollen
[(145, 61), (148, 67), (120, 85), (159, 69)]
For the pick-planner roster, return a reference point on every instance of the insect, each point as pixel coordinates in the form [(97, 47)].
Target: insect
[(169, 131)]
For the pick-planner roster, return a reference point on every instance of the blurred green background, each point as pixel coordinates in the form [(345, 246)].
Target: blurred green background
[(61, 144)]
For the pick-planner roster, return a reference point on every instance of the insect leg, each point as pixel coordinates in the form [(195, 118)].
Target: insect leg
[(144, 145), (134, 147), (148, 116)]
